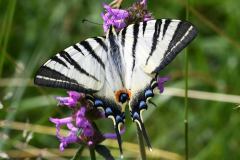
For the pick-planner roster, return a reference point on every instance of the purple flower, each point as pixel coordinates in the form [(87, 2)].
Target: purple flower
[(113, 135), (74, 95), (114, 17), (90, 143), (119, 18), (147, 17), (160, 82), (60, 122), (71, 138), (144, 2), (138, 12), (71, 100), (79, 126), (81, 129), (83, 122)]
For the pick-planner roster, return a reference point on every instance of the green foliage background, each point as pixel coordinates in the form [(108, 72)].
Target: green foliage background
[(41, 28)]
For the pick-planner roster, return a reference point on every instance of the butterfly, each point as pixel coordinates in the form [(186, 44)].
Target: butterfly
[(119, 69)]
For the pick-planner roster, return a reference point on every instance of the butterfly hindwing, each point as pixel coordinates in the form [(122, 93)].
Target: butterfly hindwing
[(80, 67), (112, 111), (139, 103)]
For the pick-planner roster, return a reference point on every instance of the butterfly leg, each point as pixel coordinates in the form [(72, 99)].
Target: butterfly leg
[(111, 111)]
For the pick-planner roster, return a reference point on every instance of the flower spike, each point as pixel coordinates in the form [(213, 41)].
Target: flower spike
[(160, 83)]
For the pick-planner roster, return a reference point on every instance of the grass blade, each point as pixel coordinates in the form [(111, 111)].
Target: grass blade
[(4, 38)]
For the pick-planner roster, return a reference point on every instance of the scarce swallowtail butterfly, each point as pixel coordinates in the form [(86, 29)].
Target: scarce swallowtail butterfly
[(119, 69)]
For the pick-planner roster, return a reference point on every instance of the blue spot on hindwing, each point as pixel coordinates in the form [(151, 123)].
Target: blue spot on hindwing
[(142, 105), (98, 103), (118, 119), (135, 116), (108, 111), (148, 93)]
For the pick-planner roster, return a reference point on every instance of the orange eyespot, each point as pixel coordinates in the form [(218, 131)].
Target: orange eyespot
[(122, 95)]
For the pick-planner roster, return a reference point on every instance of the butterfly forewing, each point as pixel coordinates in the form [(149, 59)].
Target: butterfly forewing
[(155, 43), (149, 46), (79, 67)]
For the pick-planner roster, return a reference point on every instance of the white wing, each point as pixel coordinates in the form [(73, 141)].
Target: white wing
[(149, 46), (80, 67), (83, 67)]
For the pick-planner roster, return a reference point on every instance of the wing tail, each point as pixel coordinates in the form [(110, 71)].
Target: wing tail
[(137, 106), (111, 111), (136, 117), (119, 140)]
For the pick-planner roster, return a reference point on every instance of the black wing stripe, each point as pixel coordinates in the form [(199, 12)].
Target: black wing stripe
[(58, 60), (183, 35), (51, 78), (101, 43), (167, 22), (155, 38), (124, 31), (181, 30), (68, 58), (77, 48), (88, 47), (63, 55), (45, 71), (115, 56), (135, 38), (144, 27)]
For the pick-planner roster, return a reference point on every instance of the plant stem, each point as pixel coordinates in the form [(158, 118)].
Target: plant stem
[(186, 91), (92, 153), (7, 23), (141, 143), (77, 156)]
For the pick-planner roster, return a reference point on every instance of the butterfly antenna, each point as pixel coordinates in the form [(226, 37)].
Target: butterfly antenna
[(119, 141), (86, 20)]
